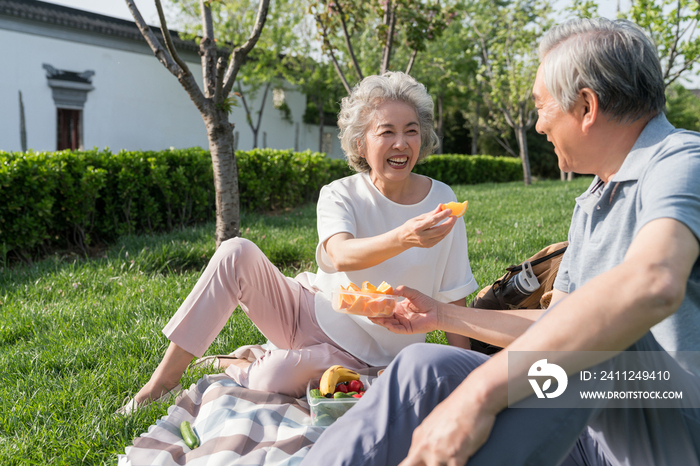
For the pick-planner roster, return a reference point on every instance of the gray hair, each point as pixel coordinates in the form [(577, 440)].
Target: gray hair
[(357, 112), (615, 59)]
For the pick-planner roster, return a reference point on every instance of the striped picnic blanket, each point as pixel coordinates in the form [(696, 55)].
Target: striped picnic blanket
[(235, 425)]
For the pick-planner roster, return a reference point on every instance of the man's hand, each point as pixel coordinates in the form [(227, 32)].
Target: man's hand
[(416, 314), (452, 433)]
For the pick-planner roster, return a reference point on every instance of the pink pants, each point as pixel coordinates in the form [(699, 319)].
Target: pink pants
[(283, 310)]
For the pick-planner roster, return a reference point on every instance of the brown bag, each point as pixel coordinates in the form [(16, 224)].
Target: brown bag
[(545, 265)]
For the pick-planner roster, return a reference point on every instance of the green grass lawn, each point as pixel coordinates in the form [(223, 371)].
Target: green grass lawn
[(77, 336)]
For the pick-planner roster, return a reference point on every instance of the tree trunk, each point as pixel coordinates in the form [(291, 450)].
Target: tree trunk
[(220, 135), (475, 129), (520, 134), (440, 131), (255, 137)]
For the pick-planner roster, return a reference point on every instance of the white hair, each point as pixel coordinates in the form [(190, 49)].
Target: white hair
[(357, 112), (615, 59)]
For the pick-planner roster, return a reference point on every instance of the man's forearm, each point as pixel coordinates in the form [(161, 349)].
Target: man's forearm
[(495, 327)]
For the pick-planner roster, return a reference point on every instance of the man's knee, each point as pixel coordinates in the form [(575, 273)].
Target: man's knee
[(432, 360)]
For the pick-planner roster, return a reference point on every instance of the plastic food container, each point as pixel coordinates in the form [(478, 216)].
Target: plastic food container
[(324, 411), (366, 304)]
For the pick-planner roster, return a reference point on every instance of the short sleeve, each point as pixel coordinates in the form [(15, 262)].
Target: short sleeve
[(562, 280), (333, 215), (671, 188), (458, 280)]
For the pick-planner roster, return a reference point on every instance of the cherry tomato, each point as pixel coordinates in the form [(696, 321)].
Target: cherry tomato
[(341, 388), (355, 386)]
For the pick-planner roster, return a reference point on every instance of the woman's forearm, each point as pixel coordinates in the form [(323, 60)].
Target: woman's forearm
[(348, 253)]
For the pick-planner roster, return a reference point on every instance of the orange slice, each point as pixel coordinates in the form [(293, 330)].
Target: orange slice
[(457, 208), (385, 288), (339, 301), (358, 307), (352, 287), (376, 306), (343, 300), (368, 287)]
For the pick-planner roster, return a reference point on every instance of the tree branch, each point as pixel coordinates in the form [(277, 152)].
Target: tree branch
[(262, 105), (161, 54), (348, 44), (168, 40), (338, 70), (411, 61), (386, 53), (182, 74), (249, 118), (672, 53), (502, 142), (208, 52), (219, 84), (239, 53)]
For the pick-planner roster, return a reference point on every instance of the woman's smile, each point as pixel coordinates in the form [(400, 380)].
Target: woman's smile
[(398, 162)]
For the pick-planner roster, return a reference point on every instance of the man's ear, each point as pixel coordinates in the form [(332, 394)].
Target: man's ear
[(587, 108)]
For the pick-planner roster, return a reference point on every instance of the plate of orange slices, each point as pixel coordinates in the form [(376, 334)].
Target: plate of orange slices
[(366, 300)]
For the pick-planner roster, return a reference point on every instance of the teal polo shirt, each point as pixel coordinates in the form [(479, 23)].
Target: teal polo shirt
[(660, 178)]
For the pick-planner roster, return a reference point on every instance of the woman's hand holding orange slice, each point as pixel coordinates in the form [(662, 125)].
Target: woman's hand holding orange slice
[(458, 208)]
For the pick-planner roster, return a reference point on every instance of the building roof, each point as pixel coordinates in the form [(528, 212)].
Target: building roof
[(49, 13)]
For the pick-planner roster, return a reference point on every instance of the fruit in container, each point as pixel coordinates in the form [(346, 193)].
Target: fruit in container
[(355, 386), (333, 375), (367, 300), (341, 387), (385, 288), (458, 208)]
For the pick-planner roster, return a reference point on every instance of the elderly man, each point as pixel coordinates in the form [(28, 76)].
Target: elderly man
[(629, 284)]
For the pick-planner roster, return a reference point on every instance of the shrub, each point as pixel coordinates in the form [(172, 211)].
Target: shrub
[(270, 179), (27, 182), (471, 169), (75, 198)]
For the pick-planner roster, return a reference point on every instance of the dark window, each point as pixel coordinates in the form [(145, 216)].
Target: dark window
[(68, 129)]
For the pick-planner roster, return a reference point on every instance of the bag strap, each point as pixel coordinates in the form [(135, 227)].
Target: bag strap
[(518, 268), (497, 289)]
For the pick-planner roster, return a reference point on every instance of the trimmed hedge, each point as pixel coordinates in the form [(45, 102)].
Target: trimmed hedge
[(74, 198), (471, 169)]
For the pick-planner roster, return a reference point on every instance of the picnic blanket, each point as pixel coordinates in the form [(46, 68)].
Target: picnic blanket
[(235, 425)]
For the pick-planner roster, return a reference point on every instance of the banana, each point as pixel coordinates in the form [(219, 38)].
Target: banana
[(334, 375)]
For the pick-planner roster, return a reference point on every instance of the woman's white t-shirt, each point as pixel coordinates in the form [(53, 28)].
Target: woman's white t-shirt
[(354, 205)]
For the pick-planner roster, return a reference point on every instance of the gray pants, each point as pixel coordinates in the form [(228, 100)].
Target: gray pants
[(378, 430)]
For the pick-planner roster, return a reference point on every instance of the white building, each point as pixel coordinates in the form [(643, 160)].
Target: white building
[(88, 80)]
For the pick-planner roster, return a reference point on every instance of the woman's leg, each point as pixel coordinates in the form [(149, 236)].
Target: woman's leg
[(238, 273), (167, 374), (288, 371)]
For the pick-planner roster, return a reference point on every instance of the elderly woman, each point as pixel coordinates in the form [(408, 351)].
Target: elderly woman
[(382, 224)]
